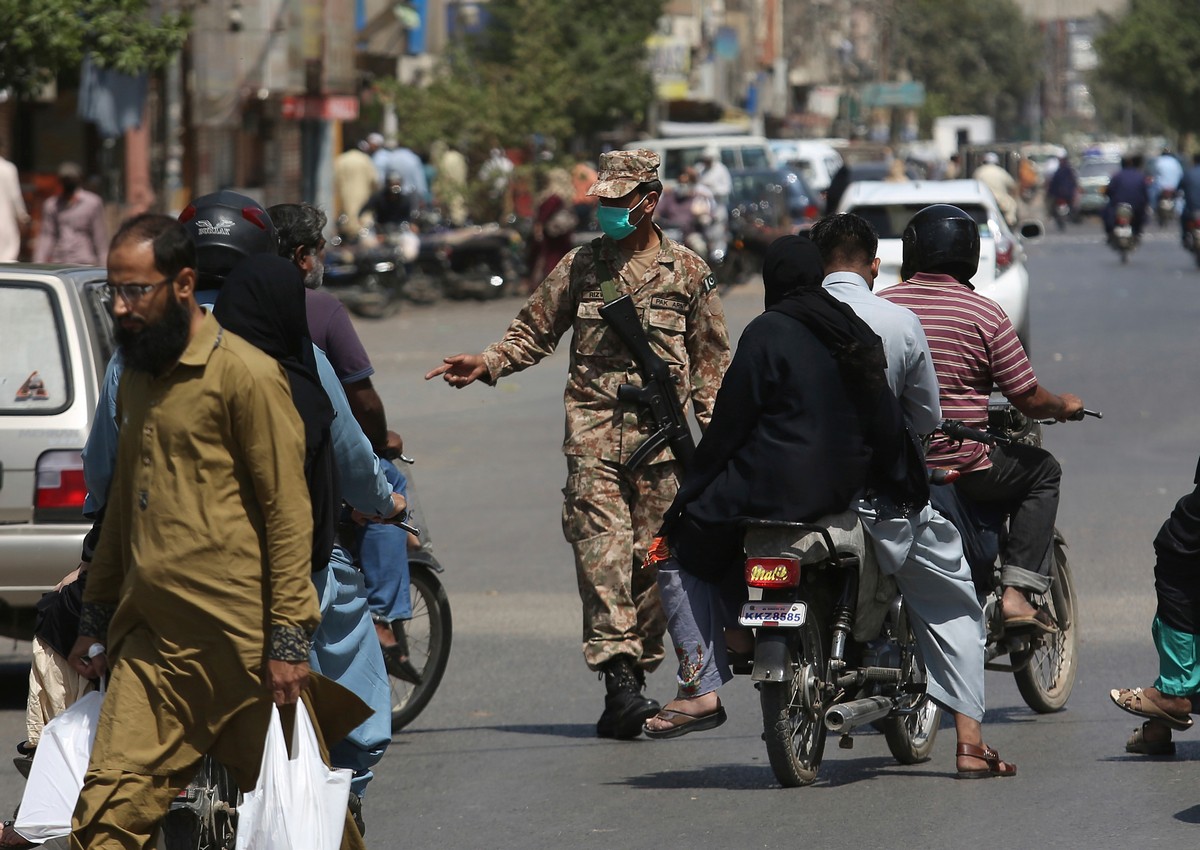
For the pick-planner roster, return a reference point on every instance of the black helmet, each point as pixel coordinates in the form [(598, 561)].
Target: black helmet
[(226, 227), (941, 238)]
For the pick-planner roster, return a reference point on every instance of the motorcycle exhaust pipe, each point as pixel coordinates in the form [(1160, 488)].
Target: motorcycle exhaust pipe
[(844, 717)]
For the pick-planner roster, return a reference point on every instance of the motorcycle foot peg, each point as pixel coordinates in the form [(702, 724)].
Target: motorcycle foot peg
[(846, 742)]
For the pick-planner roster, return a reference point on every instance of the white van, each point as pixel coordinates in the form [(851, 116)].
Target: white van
[(737, 152), (816, 161)]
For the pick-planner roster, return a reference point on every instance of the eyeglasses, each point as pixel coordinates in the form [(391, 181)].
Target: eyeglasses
[(131, 293)]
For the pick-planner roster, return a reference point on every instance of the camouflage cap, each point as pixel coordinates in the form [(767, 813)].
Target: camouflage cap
[(622, 171)]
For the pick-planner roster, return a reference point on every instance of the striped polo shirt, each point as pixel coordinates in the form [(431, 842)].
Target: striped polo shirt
[(974, 348)]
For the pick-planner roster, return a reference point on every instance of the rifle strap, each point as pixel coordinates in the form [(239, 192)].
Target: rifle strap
[(608, 289)]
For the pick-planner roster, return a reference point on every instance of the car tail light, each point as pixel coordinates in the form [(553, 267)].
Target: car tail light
[(770, 573), (60, 490), (1004, 253), (810, 212)]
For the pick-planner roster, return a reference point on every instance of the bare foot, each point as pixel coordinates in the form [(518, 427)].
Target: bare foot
[(1013, 604), (386, 637)]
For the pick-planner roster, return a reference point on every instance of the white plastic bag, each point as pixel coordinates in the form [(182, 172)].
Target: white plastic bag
[(298, 802), (56, 776)]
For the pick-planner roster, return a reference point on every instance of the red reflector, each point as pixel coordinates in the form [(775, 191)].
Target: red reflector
[(60, 481), (187, 215), (772, 572)]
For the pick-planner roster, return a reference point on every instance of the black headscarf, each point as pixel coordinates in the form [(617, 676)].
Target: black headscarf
[(263, 302), (792, 275)]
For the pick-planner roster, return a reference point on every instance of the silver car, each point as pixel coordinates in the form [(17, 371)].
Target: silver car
[(57, 337)]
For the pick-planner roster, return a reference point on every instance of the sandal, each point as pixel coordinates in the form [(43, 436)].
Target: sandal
[(1135, 701), (995, 767), (682, 723), (1039, 620), (1138, 745)]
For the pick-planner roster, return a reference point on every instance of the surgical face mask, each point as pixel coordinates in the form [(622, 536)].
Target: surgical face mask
[(614, 221)]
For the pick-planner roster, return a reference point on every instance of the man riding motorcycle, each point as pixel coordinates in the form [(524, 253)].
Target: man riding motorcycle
[(975, 348), (1127, 186)]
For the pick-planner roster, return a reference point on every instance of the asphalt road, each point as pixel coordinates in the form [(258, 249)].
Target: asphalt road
[(505, 756)]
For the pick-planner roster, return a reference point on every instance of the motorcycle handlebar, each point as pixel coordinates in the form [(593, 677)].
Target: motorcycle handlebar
[(1078, 417), (957, 430)]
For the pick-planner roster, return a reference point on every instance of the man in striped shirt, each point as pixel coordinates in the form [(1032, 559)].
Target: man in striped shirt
[(974, 348)]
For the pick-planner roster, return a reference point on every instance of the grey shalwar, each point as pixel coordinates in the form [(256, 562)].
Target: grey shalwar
[(923, 551)]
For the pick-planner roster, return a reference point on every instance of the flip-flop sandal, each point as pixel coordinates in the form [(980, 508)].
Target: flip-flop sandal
[(1039, 620), (1135, 702), (682, 723), (1138, 745), (995, 765)]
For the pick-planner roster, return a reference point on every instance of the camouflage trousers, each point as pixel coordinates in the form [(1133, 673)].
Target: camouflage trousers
[(610, 517)]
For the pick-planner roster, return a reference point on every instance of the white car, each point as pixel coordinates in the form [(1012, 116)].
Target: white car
[(1002, 275), (817, 161)]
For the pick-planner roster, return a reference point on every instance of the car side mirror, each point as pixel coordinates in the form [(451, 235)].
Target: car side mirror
[(1032, 230)]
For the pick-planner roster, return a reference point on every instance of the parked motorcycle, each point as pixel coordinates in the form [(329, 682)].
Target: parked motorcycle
[(368, 271), (1044, 664), (1123, 239), (478, 261), (829, 656)]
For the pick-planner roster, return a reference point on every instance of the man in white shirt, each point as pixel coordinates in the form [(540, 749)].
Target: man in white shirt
[(13, 215)]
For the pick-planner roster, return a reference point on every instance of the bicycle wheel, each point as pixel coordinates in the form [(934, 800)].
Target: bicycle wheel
[(793, 714), (910, 736), (1046, 681), (428, 634)]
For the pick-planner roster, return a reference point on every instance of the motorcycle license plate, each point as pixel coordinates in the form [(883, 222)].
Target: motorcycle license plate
[(1124, 231), (775, 615)]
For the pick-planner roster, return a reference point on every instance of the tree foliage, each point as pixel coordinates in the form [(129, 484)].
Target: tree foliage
[(1152, 54), (552, 68), (39, 38), (974, 57)]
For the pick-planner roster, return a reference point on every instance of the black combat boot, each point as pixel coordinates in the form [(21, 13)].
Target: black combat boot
[(625, 708)]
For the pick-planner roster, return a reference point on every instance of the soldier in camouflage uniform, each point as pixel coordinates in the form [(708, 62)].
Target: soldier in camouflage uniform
[(611, 513)]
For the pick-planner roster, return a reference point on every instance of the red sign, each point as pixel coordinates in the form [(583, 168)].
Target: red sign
[(329, 108)]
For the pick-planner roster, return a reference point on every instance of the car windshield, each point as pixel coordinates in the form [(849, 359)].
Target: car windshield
[(889, 220), (1099, 169)]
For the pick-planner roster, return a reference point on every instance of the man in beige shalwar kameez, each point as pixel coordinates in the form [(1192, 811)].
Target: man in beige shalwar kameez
[(201, 583)]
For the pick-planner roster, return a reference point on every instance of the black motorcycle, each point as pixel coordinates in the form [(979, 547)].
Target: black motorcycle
[(369, 271), (1043, 663), (829, 656), (477, 261)]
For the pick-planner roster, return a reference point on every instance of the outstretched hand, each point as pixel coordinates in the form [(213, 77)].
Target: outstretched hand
[(460, 370)]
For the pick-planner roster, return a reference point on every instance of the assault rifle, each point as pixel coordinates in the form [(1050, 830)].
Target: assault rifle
[(657, 395)]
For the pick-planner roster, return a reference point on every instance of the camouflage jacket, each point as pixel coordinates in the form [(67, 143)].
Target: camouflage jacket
[(684, 322)]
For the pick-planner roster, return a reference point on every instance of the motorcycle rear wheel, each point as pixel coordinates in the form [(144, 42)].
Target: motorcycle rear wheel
[(793, 714), (210, 822), (429, 634), (910, 737), (1046, 681)]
